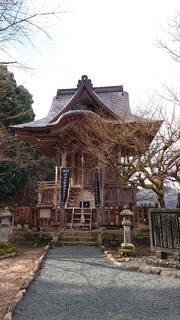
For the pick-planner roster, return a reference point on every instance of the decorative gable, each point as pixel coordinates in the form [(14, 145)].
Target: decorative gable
[(85, 98)]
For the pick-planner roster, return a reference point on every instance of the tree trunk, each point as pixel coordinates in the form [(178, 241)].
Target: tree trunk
[(178, 200), (161, 202)]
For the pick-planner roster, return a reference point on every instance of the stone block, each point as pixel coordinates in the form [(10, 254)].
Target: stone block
[(119, 237), (147, 270), (133, 268), (8, 316), (19, 296), (12, 306), (161, 254), (177, 256), (166, 273), (108, 237), (156, 270)]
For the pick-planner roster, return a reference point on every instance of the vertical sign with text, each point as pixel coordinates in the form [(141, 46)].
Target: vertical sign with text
[(65, 174), (97, 188)]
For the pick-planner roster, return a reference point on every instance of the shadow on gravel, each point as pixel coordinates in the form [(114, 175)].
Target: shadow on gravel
[(73, 301), (72, 286)]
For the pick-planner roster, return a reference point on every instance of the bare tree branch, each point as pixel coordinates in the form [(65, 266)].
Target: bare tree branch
[(20, 20)]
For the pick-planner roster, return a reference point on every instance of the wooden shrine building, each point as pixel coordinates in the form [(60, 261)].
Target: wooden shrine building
[(83, 190)]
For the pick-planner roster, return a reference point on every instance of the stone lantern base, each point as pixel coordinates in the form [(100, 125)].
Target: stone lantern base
[(129, 246), (127, 249)]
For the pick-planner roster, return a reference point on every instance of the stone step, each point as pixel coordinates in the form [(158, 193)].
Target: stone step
[(77, 238), (77, 243), (79, 233)]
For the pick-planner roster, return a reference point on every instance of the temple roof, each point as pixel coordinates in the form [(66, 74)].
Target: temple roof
[(113, 98), (71, 107)]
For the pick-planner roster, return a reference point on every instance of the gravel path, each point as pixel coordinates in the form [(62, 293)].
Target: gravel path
[(77, 282)]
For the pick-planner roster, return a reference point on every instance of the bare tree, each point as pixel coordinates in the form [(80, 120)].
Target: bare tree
[(22, 20), (135, 149), (172, 44)]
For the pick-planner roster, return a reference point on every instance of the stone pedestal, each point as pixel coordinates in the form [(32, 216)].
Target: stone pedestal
[(5, 225)]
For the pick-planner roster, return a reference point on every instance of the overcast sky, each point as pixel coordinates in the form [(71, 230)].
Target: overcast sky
[(111, 41)]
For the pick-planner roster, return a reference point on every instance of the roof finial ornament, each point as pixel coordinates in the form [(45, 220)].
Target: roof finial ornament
[(84, 79)]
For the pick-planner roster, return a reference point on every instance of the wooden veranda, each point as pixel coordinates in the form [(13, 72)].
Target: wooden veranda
[(52, 212)]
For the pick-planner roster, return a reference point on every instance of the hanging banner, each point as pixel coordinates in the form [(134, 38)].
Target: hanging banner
[(97, 188), (65, 174)]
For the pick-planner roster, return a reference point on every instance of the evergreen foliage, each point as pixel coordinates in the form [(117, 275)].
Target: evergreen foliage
[(20, 165)]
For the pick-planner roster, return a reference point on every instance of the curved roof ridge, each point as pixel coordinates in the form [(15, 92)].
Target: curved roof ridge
[(73, 113)]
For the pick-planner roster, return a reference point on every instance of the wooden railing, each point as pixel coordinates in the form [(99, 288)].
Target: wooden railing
[(141, 213), (49, 193), (108, 217)]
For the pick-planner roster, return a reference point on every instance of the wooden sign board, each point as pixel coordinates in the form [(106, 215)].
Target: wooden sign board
[(45, 213)]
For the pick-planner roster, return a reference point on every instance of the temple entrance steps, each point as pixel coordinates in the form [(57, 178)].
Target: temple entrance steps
[(77, 237), (75, 196), (81, 217)]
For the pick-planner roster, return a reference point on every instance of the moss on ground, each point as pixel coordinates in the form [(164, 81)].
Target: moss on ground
[(6, 248)]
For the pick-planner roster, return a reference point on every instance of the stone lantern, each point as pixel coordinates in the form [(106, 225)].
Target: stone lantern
[(126, 222), (5, 225)]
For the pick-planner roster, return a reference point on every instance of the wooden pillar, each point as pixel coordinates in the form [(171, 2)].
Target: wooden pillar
[(56, 180), (58, 156), (73, 168), (98, 217), (15, 215), (63, 158), (39, 194), (119, 186), (30, 216), (102, 185), (101, 210), (56, 173), (35, 217)]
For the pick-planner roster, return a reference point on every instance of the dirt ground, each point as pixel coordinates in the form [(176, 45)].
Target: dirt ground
[(13, 272)]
